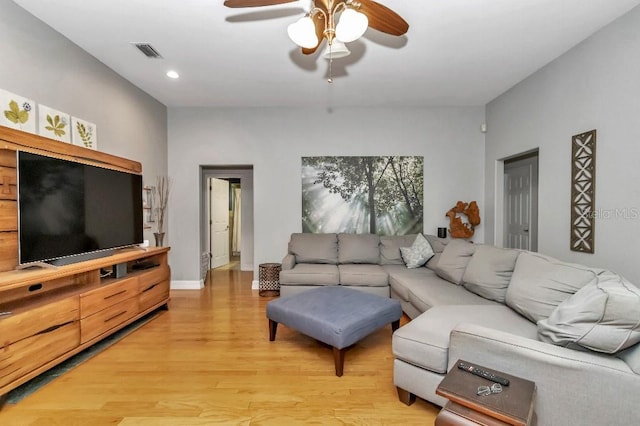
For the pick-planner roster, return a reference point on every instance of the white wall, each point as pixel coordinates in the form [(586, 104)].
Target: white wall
[(40, 64), (273, 141), (596, 85)]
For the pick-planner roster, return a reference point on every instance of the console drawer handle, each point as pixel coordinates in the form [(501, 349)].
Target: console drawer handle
[(53, 328), (115, 294), (149, 288), (115, 316)]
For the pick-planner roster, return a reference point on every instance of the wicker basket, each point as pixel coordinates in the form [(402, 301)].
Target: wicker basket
[(269, 279)]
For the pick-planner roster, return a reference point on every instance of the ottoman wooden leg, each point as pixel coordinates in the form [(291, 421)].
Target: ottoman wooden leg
[(273, 327), (338, 360), (395, 325), (405, 396)]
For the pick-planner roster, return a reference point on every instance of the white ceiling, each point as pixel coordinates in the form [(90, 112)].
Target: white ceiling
[(456, 52)]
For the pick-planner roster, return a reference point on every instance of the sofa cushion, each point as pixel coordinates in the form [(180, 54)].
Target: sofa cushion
[(390, 248), (424, 341), (631, 357), (602, 316), (418, 254), (314, 248), (489, 272), (540, 283), (437, 244), (363, 275), (402, 279), (433, 262), (435, 291), (310, 274), (455, 257), (358, 248)]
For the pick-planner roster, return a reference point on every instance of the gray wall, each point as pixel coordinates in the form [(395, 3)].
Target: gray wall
[(40, 64), (273, 140), (596, 85)]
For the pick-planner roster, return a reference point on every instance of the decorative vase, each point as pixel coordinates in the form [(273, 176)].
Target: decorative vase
[(159, 238)]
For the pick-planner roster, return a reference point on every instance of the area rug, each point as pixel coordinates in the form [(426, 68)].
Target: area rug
[(37, 382)]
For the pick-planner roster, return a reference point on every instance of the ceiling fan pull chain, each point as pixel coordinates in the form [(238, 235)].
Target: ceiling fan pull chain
[(330, 79)]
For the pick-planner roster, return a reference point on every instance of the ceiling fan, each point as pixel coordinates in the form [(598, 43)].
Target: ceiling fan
[(337, 21)]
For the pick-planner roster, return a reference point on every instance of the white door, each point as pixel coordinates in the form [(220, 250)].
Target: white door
[(521, 204), (219, 221)]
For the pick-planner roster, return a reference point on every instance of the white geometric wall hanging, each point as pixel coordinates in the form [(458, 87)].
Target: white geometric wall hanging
[(583, 192)]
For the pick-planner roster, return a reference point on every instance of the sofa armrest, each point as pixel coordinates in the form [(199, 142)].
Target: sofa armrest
[(288, 262), (573, 387)]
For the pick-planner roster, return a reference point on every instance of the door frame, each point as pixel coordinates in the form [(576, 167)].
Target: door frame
[(498, 237), (245, 174)]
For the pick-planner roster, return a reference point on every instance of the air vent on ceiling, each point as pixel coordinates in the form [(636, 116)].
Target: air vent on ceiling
[(148, 50)]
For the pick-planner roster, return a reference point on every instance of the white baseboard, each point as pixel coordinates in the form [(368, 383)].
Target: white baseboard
[(255, 285), (187, 285)]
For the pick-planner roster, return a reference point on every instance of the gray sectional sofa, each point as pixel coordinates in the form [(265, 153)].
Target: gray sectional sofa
[(571, 329), (360, 261)]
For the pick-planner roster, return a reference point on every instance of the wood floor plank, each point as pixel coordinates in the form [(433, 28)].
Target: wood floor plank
[(208, 360)]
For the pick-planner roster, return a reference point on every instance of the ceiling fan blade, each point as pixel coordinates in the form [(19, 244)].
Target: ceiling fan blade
[(383, 19), (318, 20), (263, 15), (254, 3)]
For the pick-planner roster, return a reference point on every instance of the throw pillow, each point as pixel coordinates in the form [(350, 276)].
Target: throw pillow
[(418, 254), (455, 257), (603, 316), (540, 283), (489, 272)]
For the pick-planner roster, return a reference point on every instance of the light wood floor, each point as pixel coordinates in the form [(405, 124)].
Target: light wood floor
[(208, 360)]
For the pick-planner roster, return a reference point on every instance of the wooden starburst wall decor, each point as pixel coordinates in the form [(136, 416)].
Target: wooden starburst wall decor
[(583, 191)]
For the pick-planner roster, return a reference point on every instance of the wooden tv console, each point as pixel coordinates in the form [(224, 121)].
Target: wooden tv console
[(50, 314)]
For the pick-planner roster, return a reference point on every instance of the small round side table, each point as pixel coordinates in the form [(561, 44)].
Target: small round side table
[(269, 279)]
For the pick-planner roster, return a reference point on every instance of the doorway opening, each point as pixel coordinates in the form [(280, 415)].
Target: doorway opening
[(520, 198), (226, 218)]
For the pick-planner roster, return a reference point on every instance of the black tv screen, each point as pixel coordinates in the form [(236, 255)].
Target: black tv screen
[(67, 209)]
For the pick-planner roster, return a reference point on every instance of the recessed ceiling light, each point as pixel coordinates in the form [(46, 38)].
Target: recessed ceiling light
[(173, 74)]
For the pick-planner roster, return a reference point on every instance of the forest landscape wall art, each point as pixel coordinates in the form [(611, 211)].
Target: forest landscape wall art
[(360, 195)]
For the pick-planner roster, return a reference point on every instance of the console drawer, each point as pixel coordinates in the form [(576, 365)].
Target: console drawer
[(14, 328), (153, 276), (95, 300), (152, 294), (98, 323), (39, 348)]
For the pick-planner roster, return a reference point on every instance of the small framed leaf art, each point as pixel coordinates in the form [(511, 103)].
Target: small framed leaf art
[(54, 124), (84, 133), (17, 112)]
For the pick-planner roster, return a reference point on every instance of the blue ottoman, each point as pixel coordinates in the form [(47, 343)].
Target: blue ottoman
[(334, 315)]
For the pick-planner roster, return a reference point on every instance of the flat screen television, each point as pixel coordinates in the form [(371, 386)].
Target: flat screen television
[(69, 211)]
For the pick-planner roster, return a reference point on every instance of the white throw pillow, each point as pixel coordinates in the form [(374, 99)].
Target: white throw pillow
[(418, 254), (603, 316)]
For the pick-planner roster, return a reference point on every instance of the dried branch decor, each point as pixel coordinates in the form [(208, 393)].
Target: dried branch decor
[(583, 191), (161, 195)]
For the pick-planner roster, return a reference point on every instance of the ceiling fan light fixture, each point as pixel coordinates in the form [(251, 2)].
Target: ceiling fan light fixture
[(336, 50), (351, 26), (303, 32)]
